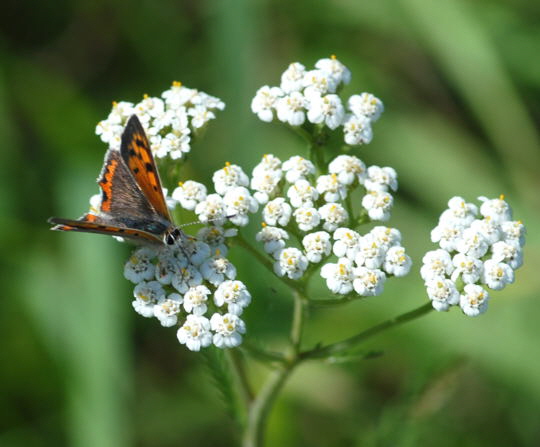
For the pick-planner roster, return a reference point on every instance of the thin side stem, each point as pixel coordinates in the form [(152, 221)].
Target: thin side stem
[(238, 366), (352, 342), (260, 408), (263, 355), (331, 302), (297, 322)]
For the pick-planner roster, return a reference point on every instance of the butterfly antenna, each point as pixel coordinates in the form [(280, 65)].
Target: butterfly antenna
[(187, 224)]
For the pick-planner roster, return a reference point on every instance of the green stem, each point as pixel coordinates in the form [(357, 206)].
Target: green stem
[(329, 302), (297, 323), (263, 355), (238, 366), (261, 406), (352, 342)]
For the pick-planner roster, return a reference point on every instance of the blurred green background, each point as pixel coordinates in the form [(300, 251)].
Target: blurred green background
[(461, 84)]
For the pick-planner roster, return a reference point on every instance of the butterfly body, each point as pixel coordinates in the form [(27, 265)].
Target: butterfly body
[(132, 202)]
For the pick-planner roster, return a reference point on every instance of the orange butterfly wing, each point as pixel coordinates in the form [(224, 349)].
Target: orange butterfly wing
[(135, 151)]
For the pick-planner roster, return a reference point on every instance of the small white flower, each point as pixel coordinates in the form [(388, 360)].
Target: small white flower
[(468, 267), (437, 263), (153, 107), (187, 277), (290, 262), (307, 218), (378, 205), (447, 234), (370, 253), (317, 83), (175, 144), (263, 102), (109, 132), (217, 269), (277, 212), (195, 333), (297, 167), (291, 109), (211, 209), (397, 262), (326, 109), (508, 252), (234, 294), (147, 294), (168, 266), (189, 194), (200, 115), (196, 251), (442, 293), (365, 104), (229, 177), (339, 276), (273, 238), (497, 274), (497, 209), (269, 163), (95, 203), (368, 282), (459, 212), (334, 216), (178, 95), (386, 236), (474, 300), (348, 168), (332, 189), (487, 228), (227, 330), (215, 238), (381, 179), (317, 245), (265, 184), (472, 243), (293, 77), (339, 72), (139, 266), (208, 101), (171, 203), (120, 112), (238, 203), (167, 311), (195, 300), (301, 193), (347, 243), (357, 129), (513, 231)]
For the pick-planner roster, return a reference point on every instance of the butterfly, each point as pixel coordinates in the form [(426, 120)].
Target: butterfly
[(132, 201)]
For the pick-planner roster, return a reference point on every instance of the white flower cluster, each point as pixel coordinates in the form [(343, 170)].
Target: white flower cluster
[(295, 201), (180, 290), (312, 95), (478, 247), (169, 121), (178, 286), (232, 201)]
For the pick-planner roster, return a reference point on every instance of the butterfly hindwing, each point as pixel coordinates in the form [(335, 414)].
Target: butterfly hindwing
[(120, 195), (91, 223), (137, 155)]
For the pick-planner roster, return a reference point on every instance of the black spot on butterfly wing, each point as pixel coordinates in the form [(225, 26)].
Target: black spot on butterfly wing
[(137, 155)]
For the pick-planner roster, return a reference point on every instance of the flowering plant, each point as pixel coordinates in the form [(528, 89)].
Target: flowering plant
[(321, 215)]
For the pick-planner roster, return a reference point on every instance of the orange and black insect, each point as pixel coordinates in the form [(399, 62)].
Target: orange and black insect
[(132, 201)]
